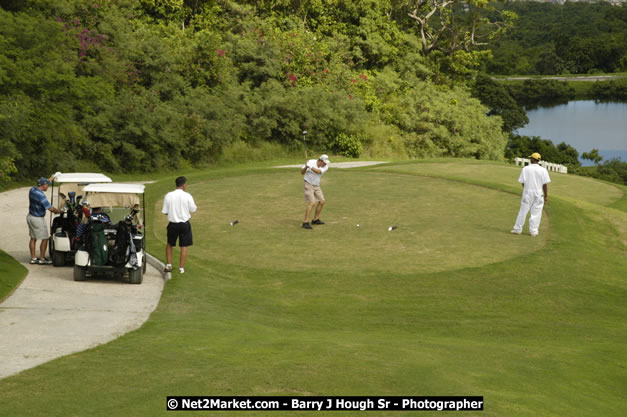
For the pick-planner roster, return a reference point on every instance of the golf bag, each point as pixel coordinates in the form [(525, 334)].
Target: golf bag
[(96, 243), (123, 248)]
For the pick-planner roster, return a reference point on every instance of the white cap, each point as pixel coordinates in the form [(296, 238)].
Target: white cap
[(325, 158)]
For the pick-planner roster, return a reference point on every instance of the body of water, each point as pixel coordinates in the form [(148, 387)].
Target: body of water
[(583, 124)]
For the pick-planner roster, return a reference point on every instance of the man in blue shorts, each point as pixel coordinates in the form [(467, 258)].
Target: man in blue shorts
[(36, 220), (178, 206)]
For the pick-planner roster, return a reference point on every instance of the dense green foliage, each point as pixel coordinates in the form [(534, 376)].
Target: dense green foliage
[(610, 90), (7, 169), (534, 92), (537, 92), (139, 86), (575, 38), (613, 170), (500, 102)]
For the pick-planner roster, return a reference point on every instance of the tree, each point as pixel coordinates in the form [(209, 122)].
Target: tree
[(593, 156), (523, 146), (496, 97), (449, 26), (7, 169)]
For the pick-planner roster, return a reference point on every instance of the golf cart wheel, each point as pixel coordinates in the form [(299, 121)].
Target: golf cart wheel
[(58, 258), (80, 273), (135, 276)]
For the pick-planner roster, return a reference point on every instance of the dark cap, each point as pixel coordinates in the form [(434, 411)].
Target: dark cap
[(43, 181)]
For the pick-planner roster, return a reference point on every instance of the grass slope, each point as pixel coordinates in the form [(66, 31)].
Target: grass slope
[(11, 274), (536, 333)]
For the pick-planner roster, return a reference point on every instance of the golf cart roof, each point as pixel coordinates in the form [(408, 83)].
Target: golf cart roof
[(81, 177), (115, 187)]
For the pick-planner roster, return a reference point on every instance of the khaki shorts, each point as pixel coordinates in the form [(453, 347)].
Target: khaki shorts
[(313, 193), (37, 227)]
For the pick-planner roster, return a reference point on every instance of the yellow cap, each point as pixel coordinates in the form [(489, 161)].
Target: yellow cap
[(535, 155)]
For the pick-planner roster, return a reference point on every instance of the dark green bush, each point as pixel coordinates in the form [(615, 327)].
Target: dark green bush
[(346, 145)]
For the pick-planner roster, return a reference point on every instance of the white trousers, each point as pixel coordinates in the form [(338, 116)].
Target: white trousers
[(533, 203)]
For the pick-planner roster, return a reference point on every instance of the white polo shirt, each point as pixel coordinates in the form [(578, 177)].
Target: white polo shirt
[(534, 177), (178, 205), (310, 176)]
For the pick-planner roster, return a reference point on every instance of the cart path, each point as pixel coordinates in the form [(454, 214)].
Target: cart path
[(50, 315)]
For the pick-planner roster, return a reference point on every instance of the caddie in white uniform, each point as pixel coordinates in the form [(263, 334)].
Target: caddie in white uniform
[(534, 179), (313, 171)]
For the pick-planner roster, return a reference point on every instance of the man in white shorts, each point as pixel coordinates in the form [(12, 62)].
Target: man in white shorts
[(534, 179), (313, 171)]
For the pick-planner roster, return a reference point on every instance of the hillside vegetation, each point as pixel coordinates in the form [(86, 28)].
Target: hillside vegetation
[(127, 86), (570, 38)]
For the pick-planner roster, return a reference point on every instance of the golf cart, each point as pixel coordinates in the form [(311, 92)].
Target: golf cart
[(68, 195), (114, 239)]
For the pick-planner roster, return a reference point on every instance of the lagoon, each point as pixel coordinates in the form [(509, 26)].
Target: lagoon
[(583, 124)]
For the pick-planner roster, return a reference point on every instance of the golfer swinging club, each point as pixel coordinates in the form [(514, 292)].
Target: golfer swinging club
[(313, 170), (534, 179)]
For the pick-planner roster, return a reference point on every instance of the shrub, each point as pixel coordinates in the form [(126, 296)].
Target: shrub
[(7, 169), (347, 145)]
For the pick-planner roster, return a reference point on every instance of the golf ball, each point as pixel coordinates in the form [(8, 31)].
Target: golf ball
[(357, 225)]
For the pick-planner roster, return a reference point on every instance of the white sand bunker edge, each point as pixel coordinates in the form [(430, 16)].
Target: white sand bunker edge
[(50, 315)]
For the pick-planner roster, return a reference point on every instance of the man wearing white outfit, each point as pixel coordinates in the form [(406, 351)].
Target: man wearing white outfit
[(313, 171), (534, 179)]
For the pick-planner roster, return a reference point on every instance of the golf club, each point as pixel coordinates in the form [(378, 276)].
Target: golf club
[(305, 143)]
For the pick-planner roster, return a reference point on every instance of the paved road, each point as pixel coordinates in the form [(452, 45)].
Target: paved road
[(565, 78), (51, 315)]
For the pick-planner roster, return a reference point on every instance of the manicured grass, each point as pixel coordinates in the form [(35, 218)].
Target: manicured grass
[(505, 176), (435, 232), (11, 274), (536, 333)]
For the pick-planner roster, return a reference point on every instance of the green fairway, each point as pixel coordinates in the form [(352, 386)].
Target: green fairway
[(441, 224), (566, 186), (450, 303), (11, 274)]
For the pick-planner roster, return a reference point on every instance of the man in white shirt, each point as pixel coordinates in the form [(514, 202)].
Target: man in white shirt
[(178, 206), (534, 179), (313, 171)]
